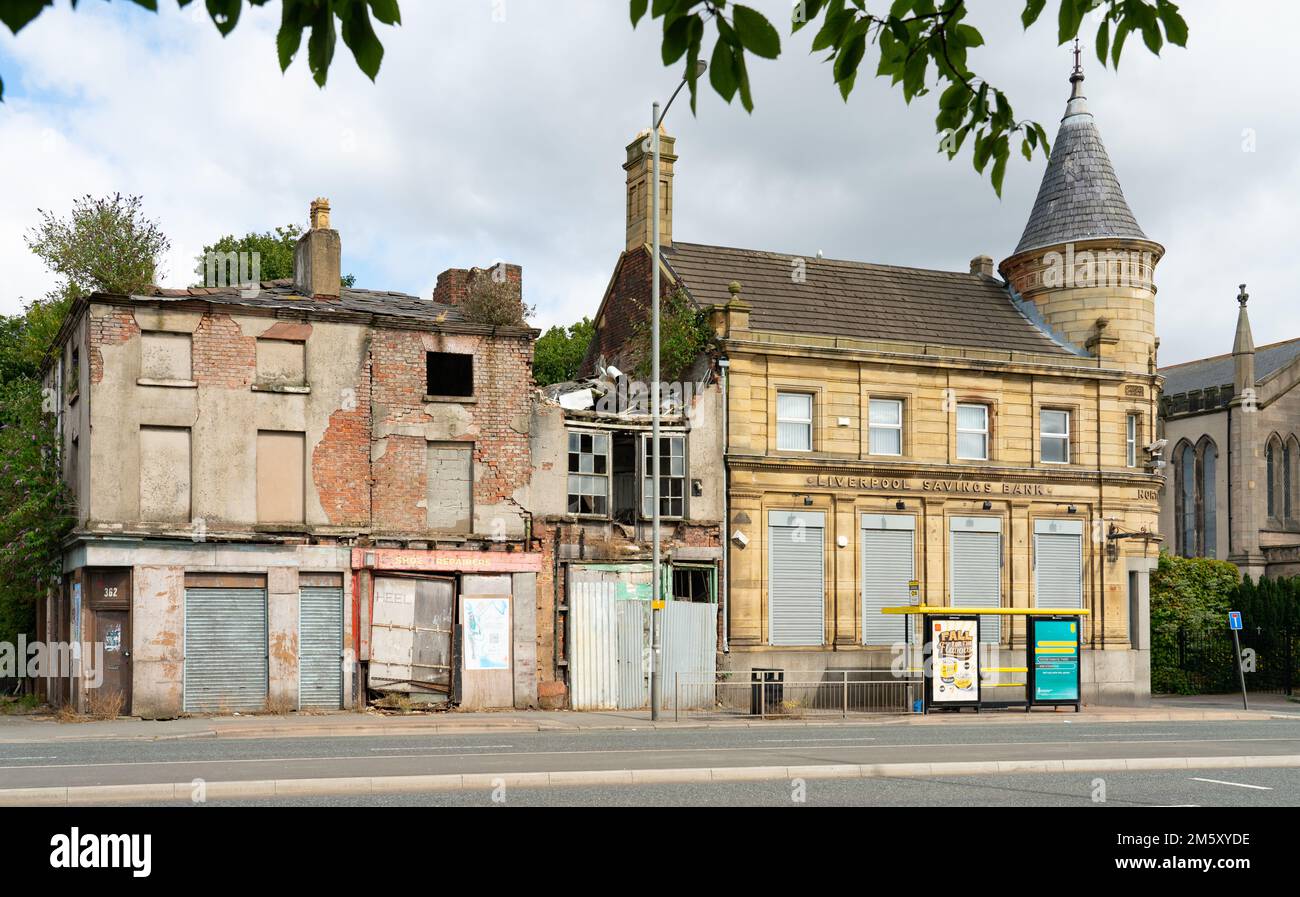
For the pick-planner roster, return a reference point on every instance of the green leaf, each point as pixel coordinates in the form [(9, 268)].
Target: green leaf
[(970, 36), (1103, 41), (224, 14), (386, 11), (360, 37), (846, 63), (1117, 46), (1001, 152), (722, 71), (1068, 21), (638, 10), (1033, 9), (742, 78), (677, 36), (320, 45), (288, 38), (756, 32), (17, 13), (811, 9), (1175, 27)]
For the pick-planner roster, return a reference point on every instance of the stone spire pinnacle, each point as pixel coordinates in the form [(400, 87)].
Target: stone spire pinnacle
[(1243, 347)]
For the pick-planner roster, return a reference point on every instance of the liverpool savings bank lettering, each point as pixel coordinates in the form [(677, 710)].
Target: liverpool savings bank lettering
[(948, 487)]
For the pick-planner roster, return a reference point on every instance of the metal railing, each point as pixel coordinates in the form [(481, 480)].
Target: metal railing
[(792, 694)]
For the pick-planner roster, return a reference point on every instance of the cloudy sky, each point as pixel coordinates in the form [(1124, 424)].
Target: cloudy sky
[(496, 131)]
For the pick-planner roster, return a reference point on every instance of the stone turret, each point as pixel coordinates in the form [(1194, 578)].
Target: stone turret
[(1083, 261)]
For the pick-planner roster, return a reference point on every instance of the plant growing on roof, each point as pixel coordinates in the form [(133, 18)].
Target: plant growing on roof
[(495, 302), (683, 334)]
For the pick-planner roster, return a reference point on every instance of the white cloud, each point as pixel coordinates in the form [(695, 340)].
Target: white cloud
[(487, 139)]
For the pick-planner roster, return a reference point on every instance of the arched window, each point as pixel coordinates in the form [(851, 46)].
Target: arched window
[(1278, 459), (1209, 498), (1185, 499), (1291, 461)]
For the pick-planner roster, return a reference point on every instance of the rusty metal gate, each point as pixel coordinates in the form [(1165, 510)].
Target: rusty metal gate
[(411, 637)]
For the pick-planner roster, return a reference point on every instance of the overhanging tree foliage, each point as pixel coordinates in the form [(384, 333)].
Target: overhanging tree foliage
[(316, 17), (920, 44), (559, 352)]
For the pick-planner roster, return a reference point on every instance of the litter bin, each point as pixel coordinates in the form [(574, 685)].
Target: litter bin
[(767, 690)]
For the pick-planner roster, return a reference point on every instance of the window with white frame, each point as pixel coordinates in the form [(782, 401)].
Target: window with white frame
[(1131, 440), (886, 427), (588, 473), (973, 432), (794, 412), (672, 476), (1054, 436)]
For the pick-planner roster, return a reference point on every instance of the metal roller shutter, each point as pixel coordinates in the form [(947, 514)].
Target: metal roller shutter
[(796, 578), (225, 649), (888, 565), (1058, 564), (976, 572), (320, 647)]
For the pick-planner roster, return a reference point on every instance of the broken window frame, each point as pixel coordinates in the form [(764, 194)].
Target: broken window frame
[(665, 474), (600, 458), (443, 394)]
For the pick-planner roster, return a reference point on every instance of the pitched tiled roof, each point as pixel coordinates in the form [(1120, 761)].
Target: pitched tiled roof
[(1218, 370), (1080, 197), (860, 300), (281, 294)]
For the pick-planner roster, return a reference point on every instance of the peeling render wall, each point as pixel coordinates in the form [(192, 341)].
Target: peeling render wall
[(224, 407)]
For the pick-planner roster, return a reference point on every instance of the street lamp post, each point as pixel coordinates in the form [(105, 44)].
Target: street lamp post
[(657, 592)]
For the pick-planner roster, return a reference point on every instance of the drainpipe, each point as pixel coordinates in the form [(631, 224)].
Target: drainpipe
[(724, 593)]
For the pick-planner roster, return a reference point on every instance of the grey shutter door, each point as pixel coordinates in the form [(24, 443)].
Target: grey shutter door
[(888, 565), (977, 569), (1058, 564), (225, 649), (796, 578), (320, 647)]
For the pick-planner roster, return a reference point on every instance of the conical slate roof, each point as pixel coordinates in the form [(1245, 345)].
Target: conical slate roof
[(1080, 197)]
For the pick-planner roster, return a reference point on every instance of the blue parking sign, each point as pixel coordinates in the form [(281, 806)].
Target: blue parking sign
[(1234, 619)]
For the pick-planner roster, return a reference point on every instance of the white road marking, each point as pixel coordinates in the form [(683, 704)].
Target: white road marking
[(51, 757), (454, 747), (1233, 784), (815, 740)]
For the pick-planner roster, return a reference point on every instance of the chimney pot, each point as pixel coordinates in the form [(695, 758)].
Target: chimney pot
[(982, 264), (317, 258)]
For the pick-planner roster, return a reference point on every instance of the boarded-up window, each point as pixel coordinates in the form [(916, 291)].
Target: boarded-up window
[(164, 356), (450, 483), (164, 474), (281, 363), (280, 477)]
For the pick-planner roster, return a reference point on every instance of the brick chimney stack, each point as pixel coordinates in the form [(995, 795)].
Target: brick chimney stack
[(317, 259), (454, 284)]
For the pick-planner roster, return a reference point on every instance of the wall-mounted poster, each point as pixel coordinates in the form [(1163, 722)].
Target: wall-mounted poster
[(954, 660), (487, 633), (1054, 660)]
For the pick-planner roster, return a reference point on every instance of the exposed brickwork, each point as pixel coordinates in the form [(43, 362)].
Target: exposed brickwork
[(494, 421), (626, 306), (113, 329), (222, 355), (454, 284), (340, 465)]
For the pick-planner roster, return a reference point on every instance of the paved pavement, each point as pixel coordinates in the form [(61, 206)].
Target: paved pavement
[(1200, 788), (62, 771), (20, 730)]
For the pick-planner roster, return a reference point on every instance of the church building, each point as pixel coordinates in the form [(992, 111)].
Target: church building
[(1230, 423), (975, 438)]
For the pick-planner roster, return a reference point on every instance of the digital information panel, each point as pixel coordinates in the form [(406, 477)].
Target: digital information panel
[(1053, 661)]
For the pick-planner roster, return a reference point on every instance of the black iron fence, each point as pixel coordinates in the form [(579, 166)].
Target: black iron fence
[(1191, 661)]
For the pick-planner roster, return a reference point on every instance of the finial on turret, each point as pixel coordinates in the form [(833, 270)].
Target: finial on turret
[(1243, 297)]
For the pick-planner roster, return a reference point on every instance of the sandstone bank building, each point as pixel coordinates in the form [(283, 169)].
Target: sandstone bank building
[(982, 433), (290, 492)]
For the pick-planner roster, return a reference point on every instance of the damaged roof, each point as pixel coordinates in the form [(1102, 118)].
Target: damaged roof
[(861, 300), (282, 294)]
